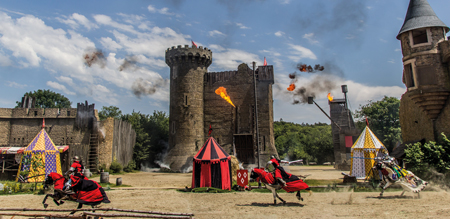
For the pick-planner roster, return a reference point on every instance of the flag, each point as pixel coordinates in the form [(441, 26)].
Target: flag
[(43, 122), (210, 130), (367, 121), (265, 62), (193, 44)]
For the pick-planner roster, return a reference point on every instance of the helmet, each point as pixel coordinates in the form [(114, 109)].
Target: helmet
[(76, 158)]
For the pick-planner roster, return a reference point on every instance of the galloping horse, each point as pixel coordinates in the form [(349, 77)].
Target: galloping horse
[(85, 191), (292, 184), (394, 174)]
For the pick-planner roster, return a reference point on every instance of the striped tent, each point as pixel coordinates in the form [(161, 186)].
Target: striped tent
[(363, 152), (212, 167), (43, 154)]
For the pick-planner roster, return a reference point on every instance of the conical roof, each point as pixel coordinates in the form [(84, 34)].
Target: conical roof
[(211, 150), (368, 140), (42, 143), (419, 15)]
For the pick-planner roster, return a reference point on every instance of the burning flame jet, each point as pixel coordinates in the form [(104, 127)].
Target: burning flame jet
[(223, 93), (330, 98)]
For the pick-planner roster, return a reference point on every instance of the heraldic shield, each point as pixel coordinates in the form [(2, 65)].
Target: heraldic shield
[(242, 178)]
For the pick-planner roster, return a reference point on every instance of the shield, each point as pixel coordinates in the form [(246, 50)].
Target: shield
[(242, 178)]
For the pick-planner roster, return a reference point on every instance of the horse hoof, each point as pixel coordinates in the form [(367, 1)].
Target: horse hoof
[(61, 202), (45, 205), (284, 203), (301, 199)]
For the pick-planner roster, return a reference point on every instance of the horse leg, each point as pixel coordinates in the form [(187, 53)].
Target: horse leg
[(403, 193), (274, 194), (388, 183), (45, 199), (299, 196), (284, 202)]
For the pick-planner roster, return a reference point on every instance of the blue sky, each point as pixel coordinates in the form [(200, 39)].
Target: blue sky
[(43, 45)]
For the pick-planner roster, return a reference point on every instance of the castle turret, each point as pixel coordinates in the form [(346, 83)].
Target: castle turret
[(186, 132), (425, 72)]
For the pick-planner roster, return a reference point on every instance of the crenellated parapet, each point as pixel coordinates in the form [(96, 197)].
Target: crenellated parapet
[(195, 55)]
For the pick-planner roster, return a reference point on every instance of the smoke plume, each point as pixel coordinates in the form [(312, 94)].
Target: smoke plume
[(129, 63), (146, 87), (94, 56)]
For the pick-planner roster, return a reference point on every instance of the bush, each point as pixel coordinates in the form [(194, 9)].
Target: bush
[(130, 167), (115, 167)]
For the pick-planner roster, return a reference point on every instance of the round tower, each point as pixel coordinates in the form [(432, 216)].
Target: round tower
[(188, 66), (424, 72)]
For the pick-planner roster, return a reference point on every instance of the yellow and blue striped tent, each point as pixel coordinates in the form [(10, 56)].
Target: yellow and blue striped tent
[(363, 154), (40, 158)]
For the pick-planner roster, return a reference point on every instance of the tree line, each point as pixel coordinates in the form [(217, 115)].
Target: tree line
[(312, 142)]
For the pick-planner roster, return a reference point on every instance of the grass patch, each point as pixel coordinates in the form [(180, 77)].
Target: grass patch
[(108, 186), (206, 190)]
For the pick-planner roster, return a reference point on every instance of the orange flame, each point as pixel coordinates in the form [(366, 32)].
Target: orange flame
[(330, 97), (223, 93), (291, 87)]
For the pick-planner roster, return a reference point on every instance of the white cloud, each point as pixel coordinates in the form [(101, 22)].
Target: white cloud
[(242, 26), (131, 18), (106, 20), (279, 33), (300, 52), (230, 59), (110, 44), (76, 19), (397, 50), (310, 38), (164, 11), (216, 48), (284, 2), (57, 86), (392, 61), (216, 33), (350, 37), (15, 84), (4, 60)]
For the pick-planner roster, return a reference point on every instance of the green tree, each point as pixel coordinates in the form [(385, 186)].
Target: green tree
[(431, 154), (141, 148), (384, 120), (47, 99), (110, 111)]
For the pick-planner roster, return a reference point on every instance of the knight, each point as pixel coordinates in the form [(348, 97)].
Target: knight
[(76, 169), (279, 173)]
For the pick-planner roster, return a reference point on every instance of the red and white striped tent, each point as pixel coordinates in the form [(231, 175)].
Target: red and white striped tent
[(212, 167)]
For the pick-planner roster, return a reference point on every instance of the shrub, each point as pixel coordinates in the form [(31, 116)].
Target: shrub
[(130, 167), (115, 167)]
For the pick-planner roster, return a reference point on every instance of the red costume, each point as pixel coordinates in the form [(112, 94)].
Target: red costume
[(295, 184), (58, 180), (88, 191)]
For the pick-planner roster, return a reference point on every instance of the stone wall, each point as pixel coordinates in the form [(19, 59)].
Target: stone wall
[(106, 146)]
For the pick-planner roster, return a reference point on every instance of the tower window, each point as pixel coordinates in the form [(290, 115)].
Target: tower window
[(174, 72), (186, 100), (68, 113), (35, 113), (409, 76), (173, 127), (420, 36)]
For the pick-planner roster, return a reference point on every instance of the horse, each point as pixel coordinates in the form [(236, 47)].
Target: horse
[(292, 185), (83, 191), (391, 173)]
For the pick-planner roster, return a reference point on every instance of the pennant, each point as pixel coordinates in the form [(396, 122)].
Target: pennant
[(210, 130), (193, 44), (265, 62), (43, 122), (367, 121)]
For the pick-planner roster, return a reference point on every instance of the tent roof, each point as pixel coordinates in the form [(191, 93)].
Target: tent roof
[(211, 150), (41, 143), (368, 140)]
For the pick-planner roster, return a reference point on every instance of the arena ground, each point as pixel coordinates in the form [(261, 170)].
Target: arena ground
[(154, 191)]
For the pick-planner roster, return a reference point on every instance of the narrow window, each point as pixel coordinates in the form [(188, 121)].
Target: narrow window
[(173, 127), (35, 113), (14, 141), (186, 100), (174, 72), (264, 142), (409, 76), (420, 36), (68, 113)]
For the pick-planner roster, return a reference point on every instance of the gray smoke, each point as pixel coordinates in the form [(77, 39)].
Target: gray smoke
[(146, 87), (320, 84), (129, 63), (94, 56)]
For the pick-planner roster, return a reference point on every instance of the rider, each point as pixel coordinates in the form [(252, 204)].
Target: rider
[(279, 173), (76, 170)]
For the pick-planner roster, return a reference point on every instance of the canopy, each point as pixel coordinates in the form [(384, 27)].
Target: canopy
[(212, 166), (40, 158), (363, 154)]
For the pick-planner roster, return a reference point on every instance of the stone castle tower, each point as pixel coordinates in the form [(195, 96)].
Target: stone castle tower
[(424, 108), (195, 107)]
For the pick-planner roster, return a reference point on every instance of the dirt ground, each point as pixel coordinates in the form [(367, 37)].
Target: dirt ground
[(153, 191)]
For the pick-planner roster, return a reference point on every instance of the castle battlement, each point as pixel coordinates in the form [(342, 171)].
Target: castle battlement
[(38, 113), (192, 54)]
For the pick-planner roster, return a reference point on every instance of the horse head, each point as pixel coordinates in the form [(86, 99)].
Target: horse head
[(48, 182), (254, 175)]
